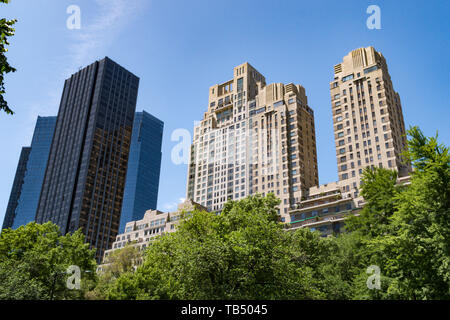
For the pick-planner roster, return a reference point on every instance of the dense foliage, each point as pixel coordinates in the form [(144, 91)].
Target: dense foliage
[(243, 253), (34, 261), (117, 263)]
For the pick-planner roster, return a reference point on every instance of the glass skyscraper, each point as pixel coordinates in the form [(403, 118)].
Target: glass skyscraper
[(16, 188), (144, 164), (85, 177), (35, 171)]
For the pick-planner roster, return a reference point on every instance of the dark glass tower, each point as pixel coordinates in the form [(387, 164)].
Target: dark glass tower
[(144, 165), (37, 162), (85, 176), (16, 188)]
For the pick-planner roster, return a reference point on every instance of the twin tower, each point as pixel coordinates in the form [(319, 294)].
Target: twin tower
[(260, 138)]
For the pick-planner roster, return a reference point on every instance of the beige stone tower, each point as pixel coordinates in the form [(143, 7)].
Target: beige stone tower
[(367, 116), (254, 138)]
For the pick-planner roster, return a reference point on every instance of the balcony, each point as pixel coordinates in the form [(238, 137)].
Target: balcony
[(320, 199), (321, 220)]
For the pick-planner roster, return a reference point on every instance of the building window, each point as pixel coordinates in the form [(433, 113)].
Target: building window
[(346, 78), (366, 71), (240, 84), (277, 104)]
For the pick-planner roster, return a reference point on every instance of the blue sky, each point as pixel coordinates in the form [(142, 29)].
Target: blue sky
[(180, 48)]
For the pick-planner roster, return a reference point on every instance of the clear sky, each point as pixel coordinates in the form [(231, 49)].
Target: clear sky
[(180, 48)]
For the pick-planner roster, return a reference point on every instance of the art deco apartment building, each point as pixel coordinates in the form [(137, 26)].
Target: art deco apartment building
[(254, 138), (368, 130), (367, 116), (85, 176)]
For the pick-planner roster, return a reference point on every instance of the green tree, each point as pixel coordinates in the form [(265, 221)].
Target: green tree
[(419, 250), (117, 263), (242, 253), (411, 240), (379, 190), (34, 260), (16, 282), (340, 264), (6, 30)]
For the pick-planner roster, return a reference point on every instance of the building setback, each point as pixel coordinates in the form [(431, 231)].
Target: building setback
[(254, 138), (85, 176), (144, 165), (369, 129), (36, 165), (16, 188)]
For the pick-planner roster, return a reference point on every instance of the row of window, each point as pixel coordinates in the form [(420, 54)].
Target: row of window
[(314, 213)]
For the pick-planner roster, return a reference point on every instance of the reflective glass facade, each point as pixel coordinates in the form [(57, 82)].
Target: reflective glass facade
[(16, 188), (85, 176), (35, 171), (144, 164)]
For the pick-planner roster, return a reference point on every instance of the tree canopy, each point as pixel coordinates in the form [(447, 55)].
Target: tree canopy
[(34, 259), (406, 230), (242, 253)]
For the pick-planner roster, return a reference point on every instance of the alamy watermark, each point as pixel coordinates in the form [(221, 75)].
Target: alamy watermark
[(374, 20), (227, 146), (373, 281), (74, 280), (74, 20)]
